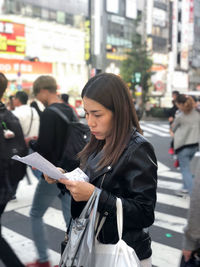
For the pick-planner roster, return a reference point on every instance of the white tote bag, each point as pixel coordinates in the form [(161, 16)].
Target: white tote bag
[(115, 255)]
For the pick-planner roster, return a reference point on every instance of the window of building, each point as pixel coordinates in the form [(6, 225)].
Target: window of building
[(36, 11), (179, 58), (69, 19), (52, 15), (179, 37), (45, 13), (60, 18), (179, 16)]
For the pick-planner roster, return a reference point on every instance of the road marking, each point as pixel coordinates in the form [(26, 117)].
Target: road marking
[(145, 128), (24, 247), (147, 134), (160, 128), (170, 222), (174, 201), (165, 256), (169, 185), (170, 174), (52, 217), (162, 167)]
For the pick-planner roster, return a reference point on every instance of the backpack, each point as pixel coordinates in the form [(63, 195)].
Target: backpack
[(78, 135), (11, 143)]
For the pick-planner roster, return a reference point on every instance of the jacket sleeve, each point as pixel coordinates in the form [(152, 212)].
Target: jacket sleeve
[(138, 182), (176, 123)]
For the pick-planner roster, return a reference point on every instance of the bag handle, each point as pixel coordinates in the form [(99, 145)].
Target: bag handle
[(119, 217), (119, 209), (30, 123), (90, 203)]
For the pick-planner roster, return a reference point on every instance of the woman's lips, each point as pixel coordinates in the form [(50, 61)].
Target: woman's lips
[(95, 133)]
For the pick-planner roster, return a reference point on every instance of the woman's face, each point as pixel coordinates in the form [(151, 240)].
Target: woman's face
[(99, 119)]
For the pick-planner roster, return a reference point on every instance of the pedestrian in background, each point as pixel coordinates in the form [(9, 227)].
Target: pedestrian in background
[(8, 184), (120, 161), (186, 129), (191, 238), (50, 144), (28, 116), (65, 99), (171, 116)]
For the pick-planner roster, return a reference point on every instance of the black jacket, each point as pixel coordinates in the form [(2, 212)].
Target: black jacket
[(134, 180)]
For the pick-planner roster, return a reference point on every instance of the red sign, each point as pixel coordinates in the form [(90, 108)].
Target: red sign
[(12, 38), (13, 66)]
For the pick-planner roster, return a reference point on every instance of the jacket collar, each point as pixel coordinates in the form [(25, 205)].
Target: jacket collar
[(101, 172)]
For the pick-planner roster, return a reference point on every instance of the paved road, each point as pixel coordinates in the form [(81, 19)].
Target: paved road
[(171, 211)]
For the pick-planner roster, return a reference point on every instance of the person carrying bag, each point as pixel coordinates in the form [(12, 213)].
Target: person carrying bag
[(121, 163)]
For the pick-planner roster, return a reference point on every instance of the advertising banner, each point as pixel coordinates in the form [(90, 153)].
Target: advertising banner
[(13, 66), (12, 38)]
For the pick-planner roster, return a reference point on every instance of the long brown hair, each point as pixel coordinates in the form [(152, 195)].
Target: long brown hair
[(187, 103), (110, 91)]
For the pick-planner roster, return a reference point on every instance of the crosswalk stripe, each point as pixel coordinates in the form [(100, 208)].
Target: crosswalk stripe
[(170, 222), (169, 185), (21, 243), (173, 200), (156, 127), (147, 134), (165, 256), (52, 217), (170, 174), (148, 129), (162, 167)]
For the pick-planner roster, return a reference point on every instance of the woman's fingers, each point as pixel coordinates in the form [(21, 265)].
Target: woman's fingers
[(49, 180), (80, 191)]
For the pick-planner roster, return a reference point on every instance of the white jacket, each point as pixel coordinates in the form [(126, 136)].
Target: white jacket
[(23, 113)]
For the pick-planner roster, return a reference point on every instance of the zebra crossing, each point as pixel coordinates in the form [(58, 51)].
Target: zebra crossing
[(158, 129), (166, 232)]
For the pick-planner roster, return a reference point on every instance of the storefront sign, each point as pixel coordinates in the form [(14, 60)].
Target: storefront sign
[(13, 66), (87, 40), (12, 38)]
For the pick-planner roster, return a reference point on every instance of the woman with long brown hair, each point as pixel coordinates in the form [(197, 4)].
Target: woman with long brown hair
[(119, 161)]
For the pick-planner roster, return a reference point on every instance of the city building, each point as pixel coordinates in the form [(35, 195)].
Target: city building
[(184, 57), (113, 24), (156, 14), (43, 38)]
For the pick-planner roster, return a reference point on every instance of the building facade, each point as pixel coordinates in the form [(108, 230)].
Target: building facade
[(50, 34)]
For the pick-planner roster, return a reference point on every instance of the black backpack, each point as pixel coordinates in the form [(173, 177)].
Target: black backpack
[(78, 135), (11, 143)]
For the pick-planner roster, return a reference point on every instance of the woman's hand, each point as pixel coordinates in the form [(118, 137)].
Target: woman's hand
[(187, 254), (80, 191), (50, 180)]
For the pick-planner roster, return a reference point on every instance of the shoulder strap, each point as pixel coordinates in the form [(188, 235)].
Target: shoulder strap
[(61, 114), (30, 123)]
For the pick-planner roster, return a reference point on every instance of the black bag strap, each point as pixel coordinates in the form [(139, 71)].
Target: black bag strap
[(61, 114)]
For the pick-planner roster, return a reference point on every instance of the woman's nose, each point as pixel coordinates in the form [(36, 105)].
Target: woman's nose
[(90, 121)]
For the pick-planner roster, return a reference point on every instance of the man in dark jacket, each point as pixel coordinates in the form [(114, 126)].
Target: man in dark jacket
[(7, 184), (50, 144)]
